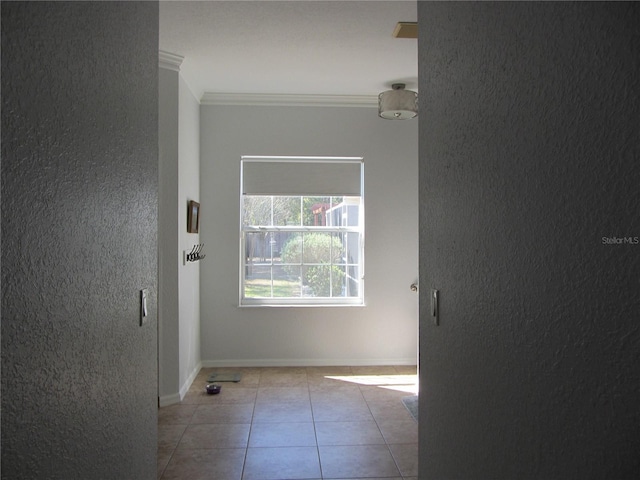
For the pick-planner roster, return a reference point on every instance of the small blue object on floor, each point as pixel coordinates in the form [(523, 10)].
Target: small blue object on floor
[(412, 405)]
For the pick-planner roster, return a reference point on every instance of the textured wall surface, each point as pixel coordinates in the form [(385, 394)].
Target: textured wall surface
[(385, 329), (79, 188), (529, 156)]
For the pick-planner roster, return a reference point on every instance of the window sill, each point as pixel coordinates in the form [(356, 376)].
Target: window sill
[(303, 305)]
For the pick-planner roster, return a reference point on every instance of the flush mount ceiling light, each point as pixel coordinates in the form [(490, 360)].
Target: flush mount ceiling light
[(398, 103)]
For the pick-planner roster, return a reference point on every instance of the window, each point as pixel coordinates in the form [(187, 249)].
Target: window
[(302, 234)]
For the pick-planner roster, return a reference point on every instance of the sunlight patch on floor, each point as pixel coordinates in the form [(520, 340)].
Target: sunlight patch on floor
[(400, 383)]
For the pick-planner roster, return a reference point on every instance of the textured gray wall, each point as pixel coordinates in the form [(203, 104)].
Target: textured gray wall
[(529, 155), (79, 201)]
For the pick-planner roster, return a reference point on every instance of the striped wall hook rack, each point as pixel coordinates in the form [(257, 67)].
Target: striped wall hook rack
[(195, 254)]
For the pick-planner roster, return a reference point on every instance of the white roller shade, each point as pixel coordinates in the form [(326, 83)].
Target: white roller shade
[(302, 176)]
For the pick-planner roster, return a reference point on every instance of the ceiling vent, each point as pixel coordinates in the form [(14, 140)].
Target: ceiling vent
[(406, 30)]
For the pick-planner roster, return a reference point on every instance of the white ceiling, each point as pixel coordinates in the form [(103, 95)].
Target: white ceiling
[(302, 47)]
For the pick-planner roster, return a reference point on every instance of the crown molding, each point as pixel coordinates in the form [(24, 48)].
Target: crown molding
[(169, 61), (285, 100)]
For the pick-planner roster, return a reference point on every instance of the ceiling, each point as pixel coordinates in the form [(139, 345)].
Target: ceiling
[(301, 47)]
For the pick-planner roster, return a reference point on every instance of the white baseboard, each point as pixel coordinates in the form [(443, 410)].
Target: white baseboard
[(170, 399), (309, 362), (166, 400), (187, 384)]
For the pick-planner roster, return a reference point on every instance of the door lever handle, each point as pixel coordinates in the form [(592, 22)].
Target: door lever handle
[(434, 306)]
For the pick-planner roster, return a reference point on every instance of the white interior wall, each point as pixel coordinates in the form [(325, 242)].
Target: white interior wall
[(189, 274), (168, 327), (382, 332), (179, 291)]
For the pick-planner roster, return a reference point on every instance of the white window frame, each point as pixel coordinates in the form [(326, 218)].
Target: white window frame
[(359, 229)]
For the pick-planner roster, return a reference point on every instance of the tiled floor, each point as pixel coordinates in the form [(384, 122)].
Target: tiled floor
[(293, 423)]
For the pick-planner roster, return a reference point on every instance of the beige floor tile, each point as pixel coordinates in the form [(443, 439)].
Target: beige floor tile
[(282, 435), (170, 435), (282, 370), (357, 461), (249, 377), (270, 394), (341, 412), (232, 435), (164, 455), (282, 412), (178, 414), (264, 426), (317, 381), (283, 379), (373, 370), (199, 396), (238, 413), (339, 394), (247, 381), (329, 370), (406, 369), (390, 411), (233, 395), (284, 463), (389, 391), (348, 433), (218, 464), (406, 457), (395, 432), (335, 381)]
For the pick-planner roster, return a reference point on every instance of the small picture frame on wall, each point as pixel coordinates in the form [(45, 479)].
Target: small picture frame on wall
[(193, 217)]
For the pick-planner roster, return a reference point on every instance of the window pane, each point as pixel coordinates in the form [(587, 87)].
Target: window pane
[(285, 285), (321, 247), (314, 211), (257, 288), (286, 211), (283, 264), (351, 212), (352, 247), (352, 281), (316, 279), (338, 248), (278, 242), (258, 248), (333, 217), (291, 248), (339, 280), (323, 280), (256, 210)]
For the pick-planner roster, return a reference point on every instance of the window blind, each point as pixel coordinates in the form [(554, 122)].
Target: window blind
[(309, 176)]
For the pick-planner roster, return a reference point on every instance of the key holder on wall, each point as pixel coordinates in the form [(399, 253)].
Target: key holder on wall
[(195, 254)]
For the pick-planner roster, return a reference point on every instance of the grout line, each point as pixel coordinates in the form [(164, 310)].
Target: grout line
[(315, 431), (386, 443), (253, 414), (361, 389)]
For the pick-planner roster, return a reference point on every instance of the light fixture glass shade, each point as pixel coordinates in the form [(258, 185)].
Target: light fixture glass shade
[(398, 104)]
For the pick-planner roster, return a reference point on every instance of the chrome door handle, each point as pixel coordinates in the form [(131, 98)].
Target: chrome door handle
[(414, 287)]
